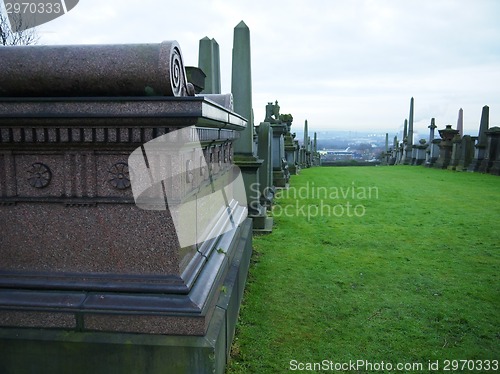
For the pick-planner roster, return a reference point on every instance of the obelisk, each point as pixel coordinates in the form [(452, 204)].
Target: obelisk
[(460, 122), (482, 140), (306, 146), (244, 150), (209, 62), (409, 142), (403, 143)]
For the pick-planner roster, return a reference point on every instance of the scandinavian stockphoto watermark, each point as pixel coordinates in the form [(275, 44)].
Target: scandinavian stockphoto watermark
[(23, 14), (171, 173), (319, 201)]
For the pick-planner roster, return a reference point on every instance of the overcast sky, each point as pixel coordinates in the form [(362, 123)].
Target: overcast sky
[(343, 65)]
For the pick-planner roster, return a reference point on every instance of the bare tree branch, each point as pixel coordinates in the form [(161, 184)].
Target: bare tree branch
[(8, 37)]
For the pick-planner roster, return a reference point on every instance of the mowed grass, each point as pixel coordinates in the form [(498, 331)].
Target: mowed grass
[(411, 278)]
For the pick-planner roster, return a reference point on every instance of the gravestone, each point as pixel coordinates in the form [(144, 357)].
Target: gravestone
[(445, 147), (297, 155), (305, 157), (290, 145), (466, 153), (281, 175), (266, 187), (309, 152), (482, 141), (491, 161), (420, 150), (316, 158), (394, 152), (99, 272), (280, 166), (456, 150)]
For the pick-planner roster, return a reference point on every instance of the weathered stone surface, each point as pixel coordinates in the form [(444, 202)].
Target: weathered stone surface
[(69, 221), (94, 70)]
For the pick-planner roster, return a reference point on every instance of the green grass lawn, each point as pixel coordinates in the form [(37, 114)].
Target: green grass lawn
[(395, 264)]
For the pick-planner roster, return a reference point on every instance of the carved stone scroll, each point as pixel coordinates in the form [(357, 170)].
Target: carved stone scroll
[(94, 70)]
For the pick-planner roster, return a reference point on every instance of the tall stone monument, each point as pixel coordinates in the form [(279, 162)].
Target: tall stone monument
[(290, 145), (245, 152), (209, 62), (491, 161), (482, 140), (456, 151), (432, 152), (404, 142), (409, 139), (305, 148), (460, 122)]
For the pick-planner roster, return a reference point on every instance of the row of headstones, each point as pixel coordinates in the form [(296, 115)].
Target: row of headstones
[(268, 153), (454, 151)]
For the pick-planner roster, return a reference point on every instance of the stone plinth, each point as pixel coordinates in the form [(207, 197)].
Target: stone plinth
[(81, 258), (420, 152), (433, 152), (413, 160)]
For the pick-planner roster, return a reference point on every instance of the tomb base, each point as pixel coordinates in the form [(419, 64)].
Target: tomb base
[(81, 350)]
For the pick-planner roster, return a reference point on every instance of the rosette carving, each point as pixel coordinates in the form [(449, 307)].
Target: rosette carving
[(119, 176), (39, 175)]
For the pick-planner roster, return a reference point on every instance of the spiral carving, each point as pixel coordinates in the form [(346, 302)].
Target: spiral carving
[(175, 82), (176, 72)]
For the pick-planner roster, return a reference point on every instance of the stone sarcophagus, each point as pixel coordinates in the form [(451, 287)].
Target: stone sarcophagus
[(120, 207)]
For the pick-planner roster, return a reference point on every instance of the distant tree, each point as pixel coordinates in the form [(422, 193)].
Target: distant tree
[(8, 37)]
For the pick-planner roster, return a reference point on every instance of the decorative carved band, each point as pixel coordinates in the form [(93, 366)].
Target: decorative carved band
[(104, 135)]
